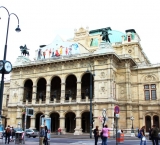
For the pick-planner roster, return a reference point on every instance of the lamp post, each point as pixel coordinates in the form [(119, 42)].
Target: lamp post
[(132, 130), (3, 62), (91, 75), (104, 116)]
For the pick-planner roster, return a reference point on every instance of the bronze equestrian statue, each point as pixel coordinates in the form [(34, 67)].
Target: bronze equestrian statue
[(24, 50), (105, 35)]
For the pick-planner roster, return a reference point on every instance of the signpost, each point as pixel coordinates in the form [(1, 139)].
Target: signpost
[(116, 111)]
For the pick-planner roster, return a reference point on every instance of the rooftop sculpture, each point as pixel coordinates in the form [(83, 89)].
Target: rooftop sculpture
[(24, 50)]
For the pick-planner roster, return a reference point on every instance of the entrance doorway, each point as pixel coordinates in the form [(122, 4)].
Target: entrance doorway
[(70, 122)]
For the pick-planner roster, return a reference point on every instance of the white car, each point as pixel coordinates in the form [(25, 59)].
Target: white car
[(32, 133)]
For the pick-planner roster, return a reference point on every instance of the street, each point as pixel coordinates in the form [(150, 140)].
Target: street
[(70, 141)]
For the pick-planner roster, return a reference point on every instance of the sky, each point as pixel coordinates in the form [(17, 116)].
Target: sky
[(41, 21)]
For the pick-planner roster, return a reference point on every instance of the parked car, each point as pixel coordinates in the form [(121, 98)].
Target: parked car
[(32, 133)]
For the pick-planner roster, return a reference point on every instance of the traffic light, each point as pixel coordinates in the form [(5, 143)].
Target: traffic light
[(30, 111)]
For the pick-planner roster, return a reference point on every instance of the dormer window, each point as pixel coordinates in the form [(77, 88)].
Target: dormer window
[(129, 38)]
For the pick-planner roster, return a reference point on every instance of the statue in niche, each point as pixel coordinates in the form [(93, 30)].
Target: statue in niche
[(105, 35), (24, 50)]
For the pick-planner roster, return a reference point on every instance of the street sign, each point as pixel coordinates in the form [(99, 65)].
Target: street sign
[(116, 109)]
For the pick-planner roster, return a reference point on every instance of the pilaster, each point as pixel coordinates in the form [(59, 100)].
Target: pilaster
[(62, 92), (78, 129), (78, 98)]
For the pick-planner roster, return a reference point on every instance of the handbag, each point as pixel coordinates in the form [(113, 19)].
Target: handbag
[(143, 138)]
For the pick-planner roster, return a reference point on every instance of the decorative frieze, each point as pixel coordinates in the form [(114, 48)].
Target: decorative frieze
[(55, 67)]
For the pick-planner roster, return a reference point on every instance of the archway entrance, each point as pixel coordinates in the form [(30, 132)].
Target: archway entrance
[(156, 120), (54, 122), (147, 123), (70, 122), (37, 122), (85, 122)]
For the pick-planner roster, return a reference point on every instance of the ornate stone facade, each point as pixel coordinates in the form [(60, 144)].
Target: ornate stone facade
[(60, 88)]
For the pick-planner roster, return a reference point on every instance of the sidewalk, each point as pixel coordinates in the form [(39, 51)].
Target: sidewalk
[(87, 136)]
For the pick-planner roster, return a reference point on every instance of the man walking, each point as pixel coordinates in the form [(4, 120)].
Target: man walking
[(154, 134), (42, 135)]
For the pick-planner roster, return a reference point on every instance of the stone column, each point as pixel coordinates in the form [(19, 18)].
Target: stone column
[(62, 121), (141, 117), (78, 129), (62, 92), (34, 93), (21, 94), (48, 88), (128, 119), (32, 125), (78, 98), (97, 113)]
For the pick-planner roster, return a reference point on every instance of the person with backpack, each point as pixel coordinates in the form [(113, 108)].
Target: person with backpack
[(154, 134), (96, 134), (142, 136), (42, 135), (8, 134)]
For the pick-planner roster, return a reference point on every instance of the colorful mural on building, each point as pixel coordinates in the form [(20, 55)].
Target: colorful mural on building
[(57, 49)]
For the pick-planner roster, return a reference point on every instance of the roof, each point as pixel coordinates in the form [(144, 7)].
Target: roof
[(115, 36)]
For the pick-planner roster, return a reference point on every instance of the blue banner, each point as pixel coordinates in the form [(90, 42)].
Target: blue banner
[(47, 122)]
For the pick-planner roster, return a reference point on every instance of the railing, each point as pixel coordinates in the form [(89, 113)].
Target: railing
[(66, 101), (83, 100)]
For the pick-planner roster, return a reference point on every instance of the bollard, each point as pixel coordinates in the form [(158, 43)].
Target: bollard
[(109, 134), (120, 137)]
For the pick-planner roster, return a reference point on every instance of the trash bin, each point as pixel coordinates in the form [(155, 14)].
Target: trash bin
[(120, 137), (19, 137)]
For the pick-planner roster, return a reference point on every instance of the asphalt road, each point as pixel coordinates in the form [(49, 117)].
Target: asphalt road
[(69, 141)]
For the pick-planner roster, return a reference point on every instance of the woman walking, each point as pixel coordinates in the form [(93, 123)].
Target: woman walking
[(96, 134), (143, 138), (105, 133)]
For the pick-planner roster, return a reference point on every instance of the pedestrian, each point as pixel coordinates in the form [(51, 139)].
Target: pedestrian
[(154, 134), (150, 135), (143, 138), (96, 134), (105, 132), (8, 134), (42, 134), (12, 133), (45, 137)]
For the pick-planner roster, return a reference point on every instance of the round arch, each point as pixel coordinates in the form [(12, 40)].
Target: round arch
[(55, 122), (85, 121), (71, 87), (85, 85), (55, 89), (41, 89), (70, 122), (28, 90)]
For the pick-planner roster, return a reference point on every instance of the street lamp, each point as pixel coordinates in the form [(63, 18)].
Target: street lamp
[(91, 75), (5, 66), (104, 116), (132, 130)]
